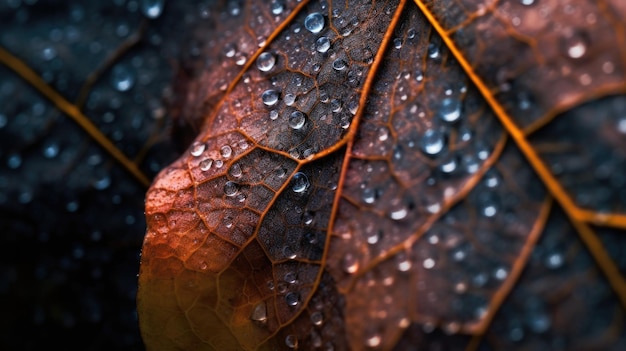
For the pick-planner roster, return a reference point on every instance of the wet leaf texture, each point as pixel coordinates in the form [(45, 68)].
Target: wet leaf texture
[(380, 175)]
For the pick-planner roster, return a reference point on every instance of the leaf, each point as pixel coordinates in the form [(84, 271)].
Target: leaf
[(395, 175)]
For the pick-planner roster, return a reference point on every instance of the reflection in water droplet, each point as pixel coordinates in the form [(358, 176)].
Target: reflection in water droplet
[(317, 318), (277, 7), (269, 97), (428, 263), (265, 61), (433, 142), (399, 214), (152, 8), (350, 263), (259, 313), (297, 120), (433, 50), (226, 151), (273, 115), (197, 148), (206, 164), (231, 188), (450, 109), (291, 341), (368, 195), (235, 170), (314, 22), (122, 78), (339, 64), (289, 99), (322, 44), (299, 183), (292, 299)]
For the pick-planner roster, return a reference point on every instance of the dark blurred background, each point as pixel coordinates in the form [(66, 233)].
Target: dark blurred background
[(71, 218)]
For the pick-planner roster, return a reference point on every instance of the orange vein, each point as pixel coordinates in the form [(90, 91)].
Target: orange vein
[(593, 243), (72, 111)]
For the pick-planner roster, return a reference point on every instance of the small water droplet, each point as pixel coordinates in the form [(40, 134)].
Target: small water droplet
[(383, 133), (397, 43), (433, 142), (353, 107), (206, 164), (265, 61), (300, 182), (399, 214), (226, 151), (270, 97), (335, 105), (51, 150), (231, 188), (235, 170), (152, 8), (289, 252), (291, 341), (554, 260), (317, 318), (428, 263), (575, 45), (433, 50), (322, 44), (230, 50), (314, 22), (373, 340), (350, 263), (259, 313), (368, 195), (197, 148), (500, 273), (273, 115), (339, 64), (527, 2), (218, 163), (290, 277), (277, 7), (450, 109), (297, 120), (292, 299), (122, 78)]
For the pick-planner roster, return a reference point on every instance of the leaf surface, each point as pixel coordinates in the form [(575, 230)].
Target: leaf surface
[(380, 175)]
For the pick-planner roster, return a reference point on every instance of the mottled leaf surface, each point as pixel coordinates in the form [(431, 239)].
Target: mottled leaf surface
[(394, 175)]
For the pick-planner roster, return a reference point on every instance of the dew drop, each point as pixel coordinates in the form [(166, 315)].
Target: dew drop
[(339, 64), (297, 120), (265, 61), (291, 341), (235, 170), (300, 182), (273, 115), (51, 150), (500, 273), (206, 164), (270, 97), (554, 260), (527, 2), (277, 7), (226, 151), (399, 214), (450, 110), (289, 252), (350, 263), (317, 318), (122, 78), (433, 142), (449, 164), (397, 43), (14, 161), (335, 105), (231, 188), (433, 50), (314, 22), (152, 8), (353, 107), (289, 99), (404, 264), (292, 299), (259, 313), (575, 45), (322, 44), (290, 277), (383, 133), (373, 340), (197, 149), (428, 263), (368, 195)]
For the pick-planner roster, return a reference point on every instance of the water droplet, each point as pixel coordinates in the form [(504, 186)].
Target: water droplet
[(368, 195), (373, 340), (226, 151), (433, 142), (197, 148), (292, 299), (51, 150), (397, 43), (317, 318), (322, 44), (339, 64), (230, 50), (314, 22), (235, 170), (152, 8), (270, 97), (231, 188), (289, 99), (428, 263), (433, 50), (218, 163), (277, 7), (383, 133), (575, 45), (404, 264), (299, 183), (450, 109), (206, 164), (273, 115), (259, 313), (527, 2), (449, 164), (350, 263), (14, 161), (265, 61), (291, 341), (297, 120), (500, 273), (335, 105), (554, 260), (290, 277), (122, 78), (490, 210), (289, 252), (353, 107), (399, 214)]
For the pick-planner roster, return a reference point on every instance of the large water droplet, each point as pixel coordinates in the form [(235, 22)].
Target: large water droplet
[(297, 120), (289, 99), (197, 148), (206, 164), (226, 151), (231, 188), (270, 97), (152, 8), (433, 142), (259, 313), (314, 22), (300, 182), (277, 7), (322, 44), (450, 109), (317, 318), (235, 170), (265, 61), (339, 64), (291, 341)]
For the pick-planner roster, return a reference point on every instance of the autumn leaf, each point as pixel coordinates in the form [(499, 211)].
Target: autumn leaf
[(395, 175)]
